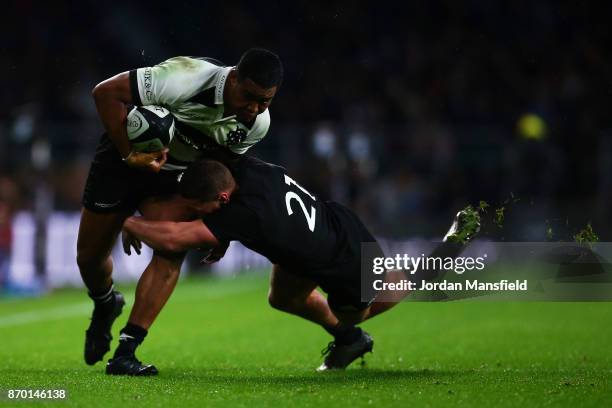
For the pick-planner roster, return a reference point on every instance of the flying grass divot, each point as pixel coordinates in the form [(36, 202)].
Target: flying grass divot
[(468, 225)]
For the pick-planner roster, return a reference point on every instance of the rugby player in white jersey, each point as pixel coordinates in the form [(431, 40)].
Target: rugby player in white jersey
[(215, 107)]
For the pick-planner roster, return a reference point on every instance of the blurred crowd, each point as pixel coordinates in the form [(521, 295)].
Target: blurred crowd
[(406, 111)]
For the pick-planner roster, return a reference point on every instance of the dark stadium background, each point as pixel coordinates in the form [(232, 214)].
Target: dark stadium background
[(406, 111)]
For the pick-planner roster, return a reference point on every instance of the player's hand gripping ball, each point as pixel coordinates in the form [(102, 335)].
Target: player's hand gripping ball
[(150, 129)]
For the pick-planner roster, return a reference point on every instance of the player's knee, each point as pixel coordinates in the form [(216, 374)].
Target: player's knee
[(285, 303), (278, 302), (274, 300)]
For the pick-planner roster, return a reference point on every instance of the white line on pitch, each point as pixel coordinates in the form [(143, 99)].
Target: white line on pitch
[(84, 308), (46, 315)]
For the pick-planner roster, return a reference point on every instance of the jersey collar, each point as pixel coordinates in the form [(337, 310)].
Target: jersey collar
[(220, 86)]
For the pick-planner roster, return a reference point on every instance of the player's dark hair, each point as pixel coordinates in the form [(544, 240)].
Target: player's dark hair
[(262, 67), (204, 179)]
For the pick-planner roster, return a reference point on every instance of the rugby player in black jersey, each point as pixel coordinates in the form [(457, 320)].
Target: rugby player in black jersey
[(310, 243), (215, 107)]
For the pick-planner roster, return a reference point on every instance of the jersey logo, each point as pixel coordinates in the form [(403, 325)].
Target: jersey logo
[(236, 136), (148, 76)]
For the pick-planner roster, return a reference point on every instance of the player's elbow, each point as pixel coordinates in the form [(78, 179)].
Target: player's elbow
[(95, 92), (100, 91), (116, 87)]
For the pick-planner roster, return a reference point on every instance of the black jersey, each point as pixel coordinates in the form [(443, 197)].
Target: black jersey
[(273, 215)]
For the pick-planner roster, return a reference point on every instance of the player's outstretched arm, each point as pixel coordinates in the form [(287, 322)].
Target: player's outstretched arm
[(169, 236)]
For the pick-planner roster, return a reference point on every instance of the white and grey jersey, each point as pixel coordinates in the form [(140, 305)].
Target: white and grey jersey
[(192, 89)]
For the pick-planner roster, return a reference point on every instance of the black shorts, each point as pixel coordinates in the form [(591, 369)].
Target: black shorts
[(112, 186), (347, 288)]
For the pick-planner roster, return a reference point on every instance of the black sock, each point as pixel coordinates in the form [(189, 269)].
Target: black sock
[(344, 333), (104, 300), (130, 338)]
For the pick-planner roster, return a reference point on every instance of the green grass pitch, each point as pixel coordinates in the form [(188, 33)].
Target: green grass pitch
[(218, 343)]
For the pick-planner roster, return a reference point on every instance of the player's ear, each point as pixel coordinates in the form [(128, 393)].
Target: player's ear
[(224, 197)]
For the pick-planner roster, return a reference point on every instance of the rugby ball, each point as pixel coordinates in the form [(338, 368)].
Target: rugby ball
[(149, 128)]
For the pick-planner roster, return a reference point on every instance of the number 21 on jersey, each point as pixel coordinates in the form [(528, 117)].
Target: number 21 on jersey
[(311, 216)]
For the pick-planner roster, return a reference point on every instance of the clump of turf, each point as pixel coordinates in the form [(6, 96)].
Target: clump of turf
[(501, 211), (586, 236), (470, 221), (499, 216)]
